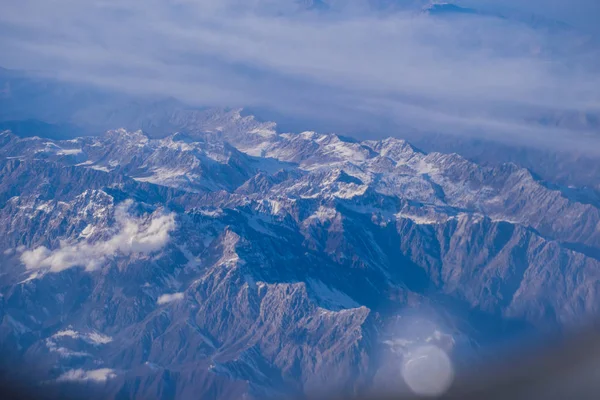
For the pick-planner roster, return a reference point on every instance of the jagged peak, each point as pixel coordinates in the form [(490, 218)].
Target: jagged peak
[(9, 135), (309, 135), (130, 136)]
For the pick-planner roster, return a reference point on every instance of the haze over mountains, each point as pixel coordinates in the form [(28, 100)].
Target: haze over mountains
[(481, 70), (493, 82), (34, 105)]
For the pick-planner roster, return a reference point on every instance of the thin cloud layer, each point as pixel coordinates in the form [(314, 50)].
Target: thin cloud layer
[(470, 74), (134, 236)]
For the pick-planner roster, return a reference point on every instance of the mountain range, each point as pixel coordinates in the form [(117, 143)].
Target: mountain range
[(225, 259)]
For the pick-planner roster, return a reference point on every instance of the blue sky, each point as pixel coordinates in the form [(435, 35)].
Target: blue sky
[(468, 75)]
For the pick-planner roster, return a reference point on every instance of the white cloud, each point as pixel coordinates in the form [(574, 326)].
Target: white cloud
[(66, 353), (169, 298), (67, 333), (476, 75), (94, 338), (79, 375), (98, 338), (133, 236)]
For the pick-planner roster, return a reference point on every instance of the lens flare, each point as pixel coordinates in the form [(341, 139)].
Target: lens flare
[(428, 371)]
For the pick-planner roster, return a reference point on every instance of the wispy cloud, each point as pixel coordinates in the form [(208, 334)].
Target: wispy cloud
[(94, 338), (80, 375), (134, 236), (477, 75)]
